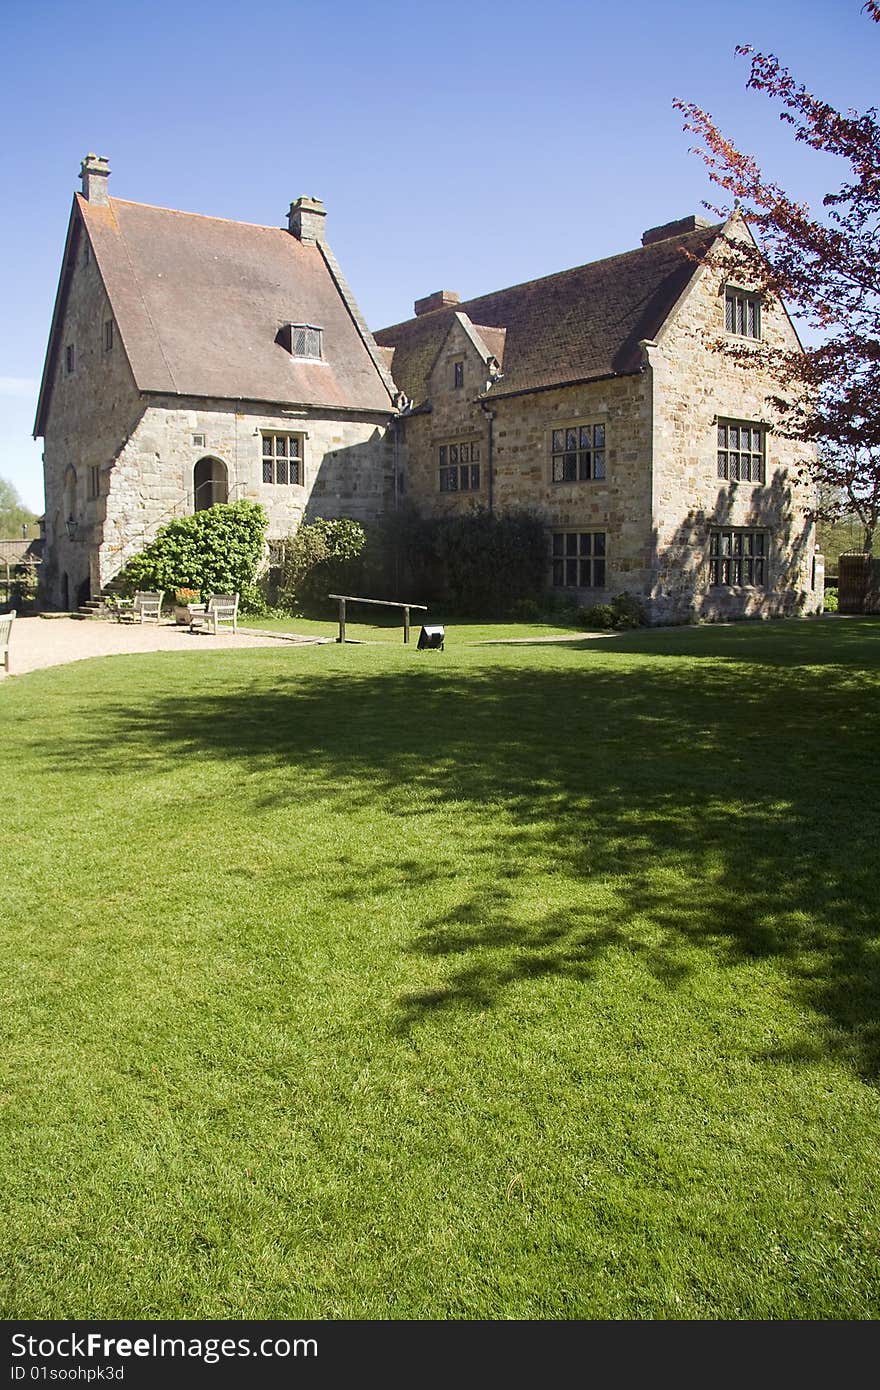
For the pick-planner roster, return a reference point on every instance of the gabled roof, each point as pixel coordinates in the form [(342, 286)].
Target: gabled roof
[(198, 302), (576, 325)]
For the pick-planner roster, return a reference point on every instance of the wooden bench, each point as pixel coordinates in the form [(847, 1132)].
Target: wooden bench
[(6, 621), (207, 617), (147, 605)]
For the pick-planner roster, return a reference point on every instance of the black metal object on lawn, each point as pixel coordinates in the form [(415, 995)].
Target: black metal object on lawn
[(431, 637)]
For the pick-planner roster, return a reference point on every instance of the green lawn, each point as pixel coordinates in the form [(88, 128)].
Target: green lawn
[(504, 982), (390, 629)]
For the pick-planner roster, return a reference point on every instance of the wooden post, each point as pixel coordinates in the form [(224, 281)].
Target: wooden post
[(406, 625), (342, 620)]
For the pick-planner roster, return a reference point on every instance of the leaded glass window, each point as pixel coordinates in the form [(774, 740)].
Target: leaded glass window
[(742, 313), (578, 454), (305, 340), (578, 559), (282, 458), (459, 466), (741, 451), (738, 556)]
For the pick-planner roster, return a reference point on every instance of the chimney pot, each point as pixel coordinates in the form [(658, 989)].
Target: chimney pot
[(94, 172), (672, 229), (306, 219), (440, 299)]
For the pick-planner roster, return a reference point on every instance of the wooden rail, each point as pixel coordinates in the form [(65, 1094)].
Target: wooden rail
[(343, 599)]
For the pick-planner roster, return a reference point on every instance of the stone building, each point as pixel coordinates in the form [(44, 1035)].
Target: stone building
[(598, 398), (191, 361)]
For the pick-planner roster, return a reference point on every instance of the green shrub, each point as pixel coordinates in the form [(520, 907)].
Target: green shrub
[(217, 550), (317, 559), (476, 563), (600, 616), (527, 610), (624, 611), (830, 600), (628, 611)]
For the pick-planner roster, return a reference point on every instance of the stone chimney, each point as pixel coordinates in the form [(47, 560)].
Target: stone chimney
[(94, 173), (671, 229), (440, 299), (306, 219)]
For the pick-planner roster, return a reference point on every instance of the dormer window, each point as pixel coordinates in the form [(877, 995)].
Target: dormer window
[(302, 340)]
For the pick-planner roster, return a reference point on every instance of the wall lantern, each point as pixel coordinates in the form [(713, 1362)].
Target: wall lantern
[(72, 527)]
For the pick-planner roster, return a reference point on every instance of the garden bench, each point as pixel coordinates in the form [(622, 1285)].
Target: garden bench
[(147, 605), (207, 617), (6, 621)]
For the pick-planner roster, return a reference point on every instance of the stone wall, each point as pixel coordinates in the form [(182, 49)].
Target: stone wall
[(695, 383), (661, 496), (92, 411), (348, 468), (145, 449), (521, 446)]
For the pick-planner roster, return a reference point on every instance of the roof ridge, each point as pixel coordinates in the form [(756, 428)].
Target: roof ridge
[(712, 230), (203, 216)]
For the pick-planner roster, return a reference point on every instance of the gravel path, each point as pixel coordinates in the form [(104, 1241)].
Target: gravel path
[(39, 642)]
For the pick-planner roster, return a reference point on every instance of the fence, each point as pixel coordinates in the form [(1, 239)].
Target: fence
[(858, 584)]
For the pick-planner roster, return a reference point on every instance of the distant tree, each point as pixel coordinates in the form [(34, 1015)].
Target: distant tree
[(828, 268), (13, 512)]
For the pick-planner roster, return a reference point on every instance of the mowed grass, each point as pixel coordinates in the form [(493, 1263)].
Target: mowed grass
[(503, 982), (387, 626)]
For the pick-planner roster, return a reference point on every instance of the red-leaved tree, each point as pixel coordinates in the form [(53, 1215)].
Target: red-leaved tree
[(827, 266)]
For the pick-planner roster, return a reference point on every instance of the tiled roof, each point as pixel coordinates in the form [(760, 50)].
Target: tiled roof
[(573, 326), (493, 338), (198, 302)]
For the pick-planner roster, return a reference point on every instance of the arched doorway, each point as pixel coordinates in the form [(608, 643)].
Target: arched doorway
[(209, 483)]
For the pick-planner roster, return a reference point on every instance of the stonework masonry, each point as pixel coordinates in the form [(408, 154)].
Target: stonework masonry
[(648, 371), (92, 409), (662, 496), (346, 469), (121, 457), (521, 427), (146, 448), (694, 384)]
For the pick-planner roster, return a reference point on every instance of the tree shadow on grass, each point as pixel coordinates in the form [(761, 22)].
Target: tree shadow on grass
[(680, 805)]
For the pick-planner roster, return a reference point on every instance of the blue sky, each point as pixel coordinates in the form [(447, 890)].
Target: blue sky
[(465, 147)]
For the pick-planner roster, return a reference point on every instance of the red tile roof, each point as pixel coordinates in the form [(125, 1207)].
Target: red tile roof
[(198, 302)]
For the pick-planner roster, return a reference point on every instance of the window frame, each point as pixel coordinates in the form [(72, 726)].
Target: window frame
[(70, 359), (458, 464), (739, 558), (274, 456), (574, 553), (458, 374), (94, 481), (581, 459), (730, 450), (318, 339), (109, 334), (738, 303)]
